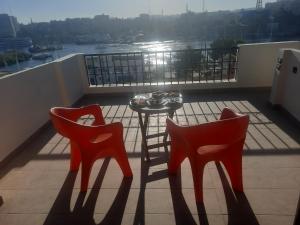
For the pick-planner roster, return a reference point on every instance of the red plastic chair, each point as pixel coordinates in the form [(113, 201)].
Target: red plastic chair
[(90, 142), (221, 140)]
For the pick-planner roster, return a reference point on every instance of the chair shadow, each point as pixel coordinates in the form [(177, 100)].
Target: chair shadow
[(297, 216), (83, 212), (238, 207), (181, 210)]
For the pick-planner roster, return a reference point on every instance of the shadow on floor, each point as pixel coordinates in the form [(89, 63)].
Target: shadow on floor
[(238, 207), (182, 212), (28, 150), (139, 217), (83, 212), (297, 216)]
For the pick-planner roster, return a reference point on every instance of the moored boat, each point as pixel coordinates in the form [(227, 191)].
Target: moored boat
[(42, 56)]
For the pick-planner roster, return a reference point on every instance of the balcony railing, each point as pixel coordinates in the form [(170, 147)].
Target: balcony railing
[(161, 67)]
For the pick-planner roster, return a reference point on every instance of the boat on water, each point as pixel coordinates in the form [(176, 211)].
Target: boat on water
[(42, 56), (38, 49), (100, 46)]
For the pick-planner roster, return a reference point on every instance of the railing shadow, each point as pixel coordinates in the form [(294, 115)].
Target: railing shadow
[(83, 211), (238, 207)]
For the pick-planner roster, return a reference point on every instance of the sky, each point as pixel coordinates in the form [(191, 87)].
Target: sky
[(46, 10)]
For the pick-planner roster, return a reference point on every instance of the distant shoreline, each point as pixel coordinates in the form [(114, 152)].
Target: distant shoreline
[(105, 48)]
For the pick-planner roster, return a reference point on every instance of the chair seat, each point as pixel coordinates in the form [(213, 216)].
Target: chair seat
[(101, 137), (211, 150)]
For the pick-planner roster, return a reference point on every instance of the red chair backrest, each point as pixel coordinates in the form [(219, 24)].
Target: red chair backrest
[(230, 129), (64, 122)]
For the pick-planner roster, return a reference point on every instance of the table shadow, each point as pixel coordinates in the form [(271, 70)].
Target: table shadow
[(139, 217)]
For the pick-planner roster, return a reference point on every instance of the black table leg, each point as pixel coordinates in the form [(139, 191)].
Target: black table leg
[(144, 125), (170, 114)]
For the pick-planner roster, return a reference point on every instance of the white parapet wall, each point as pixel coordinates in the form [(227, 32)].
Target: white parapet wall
[(287, 87), (257, 63), (27, 96)]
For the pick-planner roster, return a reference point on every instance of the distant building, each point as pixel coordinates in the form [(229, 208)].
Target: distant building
[(289, 5), (101, 17), (8, 30), (8, 26), (7, 44)]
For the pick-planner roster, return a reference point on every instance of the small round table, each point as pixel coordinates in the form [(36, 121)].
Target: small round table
[(168, 107)]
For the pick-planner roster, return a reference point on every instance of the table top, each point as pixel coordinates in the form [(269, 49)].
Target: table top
[(169, 104)]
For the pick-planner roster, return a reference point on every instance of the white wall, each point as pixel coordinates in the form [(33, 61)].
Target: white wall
[(257, 63), (290, 89), (68, 72), (27, 96)]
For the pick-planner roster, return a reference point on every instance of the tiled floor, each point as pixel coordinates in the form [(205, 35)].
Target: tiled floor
[(36, 187)]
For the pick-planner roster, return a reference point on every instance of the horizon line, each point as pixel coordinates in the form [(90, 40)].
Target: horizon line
[(129, 17)]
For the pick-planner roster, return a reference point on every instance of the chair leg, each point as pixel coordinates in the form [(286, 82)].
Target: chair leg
[(75, 157), (85, 174), (197, 171), (176, 158), (234, 169), (122, 160)]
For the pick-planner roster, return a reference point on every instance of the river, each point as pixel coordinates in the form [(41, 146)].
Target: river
[(106, 48)]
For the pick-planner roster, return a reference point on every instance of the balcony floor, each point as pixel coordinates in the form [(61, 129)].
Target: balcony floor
[(37, 188)]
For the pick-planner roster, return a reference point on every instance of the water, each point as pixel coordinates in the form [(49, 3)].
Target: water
[(106, 48)]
